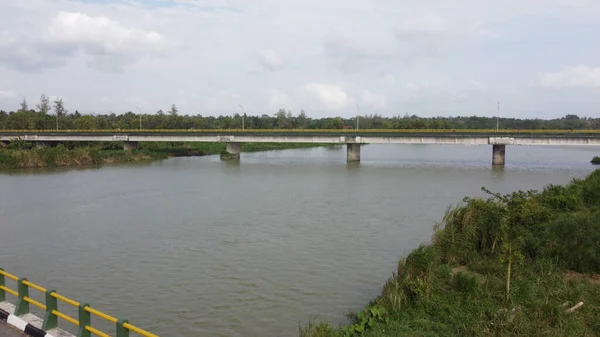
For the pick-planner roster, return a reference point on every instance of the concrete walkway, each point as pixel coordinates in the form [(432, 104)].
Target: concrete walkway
[(7, 330)]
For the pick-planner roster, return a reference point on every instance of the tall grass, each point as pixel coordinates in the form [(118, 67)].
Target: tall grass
[(61, 156), (503, 265), (21, 154), (204, 149)]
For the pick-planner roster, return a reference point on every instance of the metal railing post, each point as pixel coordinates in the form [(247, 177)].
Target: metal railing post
[(2, 283), (85, 320), (121, 330), (22, 305), (50, 319)]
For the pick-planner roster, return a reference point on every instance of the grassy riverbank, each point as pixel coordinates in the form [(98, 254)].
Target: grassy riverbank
[(25, 155), (205, 149), (596, 160), (516, 264)]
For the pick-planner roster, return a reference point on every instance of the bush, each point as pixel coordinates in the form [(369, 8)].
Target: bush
[(573, 240), (521, 258)]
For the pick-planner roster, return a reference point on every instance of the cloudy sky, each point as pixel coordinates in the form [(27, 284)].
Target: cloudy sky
[(539, 58)]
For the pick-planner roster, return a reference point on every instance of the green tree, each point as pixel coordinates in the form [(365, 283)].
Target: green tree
[(86, 122), (173, 111), (281, 119), (59, 108), (23, 105), (44, 106), (302, 120), (335, 123)]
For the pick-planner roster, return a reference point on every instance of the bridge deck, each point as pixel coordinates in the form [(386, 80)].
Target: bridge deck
[(7, 330)]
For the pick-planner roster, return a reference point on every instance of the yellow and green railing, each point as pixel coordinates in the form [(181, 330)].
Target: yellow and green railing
[(52, 314), (516, 131)]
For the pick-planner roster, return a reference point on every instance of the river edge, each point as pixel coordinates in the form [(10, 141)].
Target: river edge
[(26, 156), (510, 264)]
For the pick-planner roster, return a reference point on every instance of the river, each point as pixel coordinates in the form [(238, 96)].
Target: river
[(200, 247)]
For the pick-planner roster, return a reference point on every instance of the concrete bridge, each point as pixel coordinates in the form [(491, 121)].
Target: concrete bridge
[(498, 139)]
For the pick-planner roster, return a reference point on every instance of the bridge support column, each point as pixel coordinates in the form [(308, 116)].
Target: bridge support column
[(129, 146), (232, 151), (498, 154), (353, 152)]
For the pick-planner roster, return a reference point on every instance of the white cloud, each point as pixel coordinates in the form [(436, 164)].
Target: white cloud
[(278, 99), (424, 25), (6, 94), (107, 41), (374, 101), (270, 59), (321, 56), (579, 76), (388, 78), (477, 85), (331, 96)]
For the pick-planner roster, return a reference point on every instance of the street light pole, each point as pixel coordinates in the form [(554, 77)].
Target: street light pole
[(357, 116), (498, 117), (140, 113), (243, 113)]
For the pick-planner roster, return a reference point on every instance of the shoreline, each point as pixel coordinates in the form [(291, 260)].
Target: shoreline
[(28, 157), (512, 264)]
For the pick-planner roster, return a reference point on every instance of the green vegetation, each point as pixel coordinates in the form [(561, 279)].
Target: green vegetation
[(21, 154), (48, 116), (61, 156), (596, 160), (205, 149), (514, 264)]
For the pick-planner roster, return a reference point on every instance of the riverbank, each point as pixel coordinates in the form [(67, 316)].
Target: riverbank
[(27, 156), (525, 263), (596, 160)]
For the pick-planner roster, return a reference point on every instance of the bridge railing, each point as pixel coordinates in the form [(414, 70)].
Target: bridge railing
[(83, 322), (516, 131)]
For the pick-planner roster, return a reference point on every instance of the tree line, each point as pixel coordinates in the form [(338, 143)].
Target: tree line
[(54, 115)]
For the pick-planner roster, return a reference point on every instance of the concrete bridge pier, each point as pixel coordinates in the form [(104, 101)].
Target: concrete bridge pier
[(129, 146), (233, 150), (498, 154), (353, 152)]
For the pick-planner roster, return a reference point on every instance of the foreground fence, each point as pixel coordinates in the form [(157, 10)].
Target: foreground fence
[(85, 312)]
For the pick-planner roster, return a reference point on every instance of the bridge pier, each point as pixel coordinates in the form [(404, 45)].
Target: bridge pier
[(353, 152), (498, 154), (129, 146), (233, 151)]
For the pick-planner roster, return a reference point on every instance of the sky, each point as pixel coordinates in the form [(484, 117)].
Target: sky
[(538, 58)]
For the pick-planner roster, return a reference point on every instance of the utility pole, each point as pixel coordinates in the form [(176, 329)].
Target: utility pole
[(243, 113), (357, 116), (498, 117), (57, 121), (140, 113)]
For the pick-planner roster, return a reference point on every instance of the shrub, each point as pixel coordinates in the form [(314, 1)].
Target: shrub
[(574, 241)]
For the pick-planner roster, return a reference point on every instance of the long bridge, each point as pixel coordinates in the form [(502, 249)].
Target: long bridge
[(353, 139)]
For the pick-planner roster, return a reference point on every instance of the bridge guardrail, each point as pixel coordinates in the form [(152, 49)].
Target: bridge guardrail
[(499, 131), (51, 309)]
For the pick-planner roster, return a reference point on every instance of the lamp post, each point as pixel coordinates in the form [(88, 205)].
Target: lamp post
[(357, 116), (243, 113), (498, 117), (140, 113)]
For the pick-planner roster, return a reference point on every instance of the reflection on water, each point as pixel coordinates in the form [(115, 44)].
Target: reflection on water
[(251, 247)]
